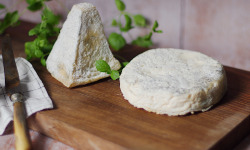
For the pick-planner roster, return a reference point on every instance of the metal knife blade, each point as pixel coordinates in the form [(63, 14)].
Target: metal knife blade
[(10, 70)]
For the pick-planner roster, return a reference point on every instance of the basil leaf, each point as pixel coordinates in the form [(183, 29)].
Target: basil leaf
[(38, 53), (120, 5), (50, 17), (140, 41), (148, 37), (43, 61), (124, 64), (44, 31), (116, 41), (14, 18), (114, 23), (156, 26), (2, 6), (159, 31), (31, 1), (10, 19), (34, 6), (128, 24), (35, 30), (102, 66), (114, 74), (139, 20)]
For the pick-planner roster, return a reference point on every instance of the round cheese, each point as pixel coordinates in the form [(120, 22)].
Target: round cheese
[(173, 81)]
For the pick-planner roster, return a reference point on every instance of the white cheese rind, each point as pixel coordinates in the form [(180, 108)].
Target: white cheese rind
[(80, 43), (173, 81)]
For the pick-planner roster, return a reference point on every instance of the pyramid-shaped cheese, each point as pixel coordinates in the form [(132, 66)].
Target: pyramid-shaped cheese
[(80, 43)]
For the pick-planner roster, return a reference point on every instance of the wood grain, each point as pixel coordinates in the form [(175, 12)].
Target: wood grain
[(96, 116)]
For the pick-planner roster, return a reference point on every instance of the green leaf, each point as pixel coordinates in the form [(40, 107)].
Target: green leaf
[(14, 18), (114, 74), (56, 30), (45, 32), (35, 30), (156, 26), (124, 64), (2, 29), (28, 57), (43, 61), (102, 66), (159, 31), (42, 43), (34, 6), (47, 28), (38, 53), (128, 21), (50, 17), (120, 5), (148, 36), (31, 1), (114, 23), (29, 49), (44, 23), (139, 20), (128, 24), (10, 19), (116, 41), (2, 6), (140, 41)]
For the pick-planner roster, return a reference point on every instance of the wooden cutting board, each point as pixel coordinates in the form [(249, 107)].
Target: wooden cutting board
[(96, 116)]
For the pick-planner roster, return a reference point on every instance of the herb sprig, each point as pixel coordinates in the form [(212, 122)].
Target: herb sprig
[(103, 66), (117, 41), (145, 41), (44, 32), (47, 31), (10, 19)]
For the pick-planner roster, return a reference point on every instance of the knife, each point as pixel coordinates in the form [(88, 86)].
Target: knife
[(12, 83)]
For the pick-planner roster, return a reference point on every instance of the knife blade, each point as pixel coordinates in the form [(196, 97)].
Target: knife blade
[(12, 83), (10, 70)]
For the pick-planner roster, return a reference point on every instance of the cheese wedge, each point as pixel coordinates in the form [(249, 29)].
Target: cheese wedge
[(80, 43), (173, 81)]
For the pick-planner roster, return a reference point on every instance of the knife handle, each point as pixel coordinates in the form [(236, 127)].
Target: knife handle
[(22, 137)]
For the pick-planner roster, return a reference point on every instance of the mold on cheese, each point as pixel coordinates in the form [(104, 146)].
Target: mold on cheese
[(80, 43), (173, 81)]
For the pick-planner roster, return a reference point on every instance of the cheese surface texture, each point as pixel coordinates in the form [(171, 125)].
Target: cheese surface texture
[(173, 81), (80, 43)]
